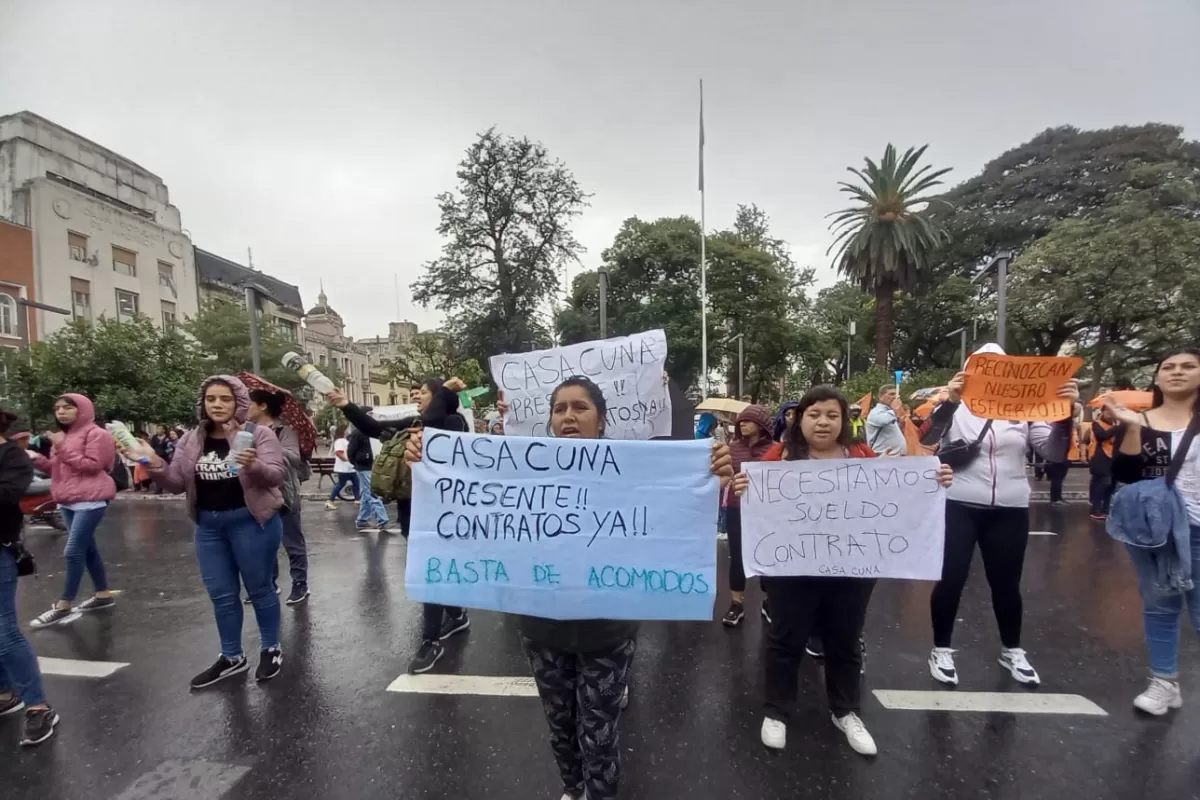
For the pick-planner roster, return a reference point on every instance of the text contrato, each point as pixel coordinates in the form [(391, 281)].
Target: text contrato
[(872, 546)]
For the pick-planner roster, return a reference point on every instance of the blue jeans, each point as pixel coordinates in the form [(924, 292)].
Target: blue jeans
[(369, 504), (18, 665), (1160, 612), (81, 552), (233, 549), (341, 479)]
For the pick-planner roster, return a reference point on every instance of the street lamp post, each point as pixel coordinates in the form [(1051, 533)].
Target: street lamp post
[(602, 274), (962, 332), (741, 340), (851, 329), (1000, 263), (252, 308)]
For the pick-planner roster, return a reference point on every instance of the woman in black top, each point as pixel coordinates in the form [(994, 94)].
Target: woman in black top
[(20, 677), (438, 407)]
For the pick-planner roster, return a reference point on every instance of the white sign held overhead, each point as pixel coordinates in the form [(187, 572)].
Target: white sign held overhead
[(861, 518), (629, 370)]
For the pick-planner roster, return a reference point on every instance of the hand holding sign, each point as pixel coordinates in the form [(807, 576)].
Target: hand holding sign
[(1021, 388)]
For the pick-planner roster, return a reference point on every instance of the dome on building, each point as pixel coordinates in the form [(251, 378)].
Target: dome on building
[(322, 308)]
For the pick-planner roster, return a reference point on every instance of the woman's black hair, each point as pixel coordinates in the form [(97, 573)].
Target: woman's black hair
[(793, 438), (1194, 352), (67, 400), (7, 418), (272, 400), (594, 394)]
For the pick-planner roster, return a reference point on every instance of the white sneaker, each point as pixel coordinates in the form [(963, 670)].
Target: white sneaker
[(330, 506), (856, 734), (1160, 697), (941, 665), (1013, 659), (774, 733)]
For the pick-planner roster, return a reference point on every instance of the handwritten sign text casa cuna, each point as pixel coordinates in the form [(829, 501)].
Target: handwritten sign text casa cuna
[(1019, 388), (564, 528), (629, 371), (858, 518)]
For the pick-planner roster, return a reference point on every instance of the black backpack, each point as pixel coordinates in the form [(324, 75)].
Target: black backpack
[(119, 473)]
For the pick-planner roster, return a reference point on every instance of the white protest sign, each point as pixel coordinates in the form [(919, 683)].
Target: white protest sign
[(564, 528), (629, 371), (862, 517)]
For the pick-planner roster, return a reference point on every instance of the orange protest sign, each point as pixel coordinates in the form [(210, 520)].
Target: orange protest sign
[(1020, 388), (1130, 398), (864, 402)]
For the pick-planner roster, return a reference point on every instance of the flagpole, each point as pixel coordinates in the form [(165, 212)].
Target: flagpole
[(703, 265)]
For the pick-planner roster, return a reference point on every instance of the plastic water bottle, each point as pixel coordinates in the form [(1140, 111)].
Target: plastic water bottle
[(126, 440), (244, 440), (308, 373)]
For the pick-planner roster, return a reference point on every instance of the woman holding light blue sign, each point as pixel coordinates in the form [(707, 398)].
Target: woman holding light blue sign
[(581, 667)]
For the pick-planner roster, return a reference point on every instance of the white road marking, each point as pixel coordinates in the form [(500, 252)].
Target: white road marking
[(989, 702), (1042, 533), (179, 779), (72, 668), (484, 685)]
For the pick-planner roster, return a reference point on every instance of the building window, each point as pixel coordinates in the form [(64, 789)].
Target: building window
[(77, 244), (168, 315), (127, 305), (81, 299), (322, 362), (375, 397), (166, 277), (287, 328), (8, 315), (124, 261)]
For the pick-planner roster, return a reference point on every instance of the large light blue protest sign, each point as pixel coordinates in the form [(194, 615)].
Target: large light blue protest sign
[(564, 528)]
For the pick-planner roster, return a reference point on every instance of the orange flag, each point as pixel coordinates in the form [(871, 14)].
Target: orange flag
[(865, 403)]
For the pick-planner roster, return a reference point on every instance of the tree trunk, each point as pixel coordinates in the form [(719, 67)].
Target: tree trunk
[(1098, 363), (883, 323)]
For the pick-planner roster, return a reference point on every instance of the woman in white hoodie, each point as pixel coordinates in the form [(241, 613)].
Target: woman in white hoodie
[(988, 505)]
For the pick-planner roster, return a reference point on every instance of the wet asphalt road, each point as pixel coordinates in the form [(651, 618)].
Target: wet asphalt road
[(328, 727)]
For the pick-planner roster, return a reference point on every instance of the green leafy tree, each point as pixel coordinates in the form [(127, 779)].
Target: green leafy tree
[(222, 331), (436, 354), (884, 240), (507, 231), (1120, 292), (830, 316), (132, 371), (328, 416), (754, 290)]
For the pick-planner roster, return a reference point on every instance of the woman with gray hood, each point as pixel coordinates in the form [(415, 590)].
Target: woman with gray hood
[(988, 506), (234, 498)]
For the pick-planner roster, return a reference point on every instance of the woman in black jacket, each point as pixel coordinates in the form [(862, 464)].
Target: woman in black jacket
[(20, 677), (437, 403)]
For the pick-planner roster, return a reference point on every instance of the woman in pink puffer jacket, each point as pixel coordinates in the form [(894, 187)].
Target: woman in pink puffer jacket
[(79, 465)]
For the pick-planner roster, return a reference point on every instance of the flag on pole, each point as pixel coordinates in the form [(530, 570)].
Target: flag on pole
[(702, 136)]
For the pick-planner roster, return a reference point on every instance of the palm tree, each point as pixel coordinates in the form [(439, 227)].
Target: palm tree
[(884, 240)]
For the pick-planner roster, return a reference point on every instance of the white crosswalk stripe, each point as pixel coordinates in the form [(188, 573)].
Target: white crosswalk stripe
[(988, 702), (73, 668), (483, 685)]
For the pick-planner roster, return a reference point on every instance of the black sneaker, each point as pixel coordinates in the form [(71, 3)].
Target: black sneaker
[(814, 647), (221, 669), (452, 625), (12, 705), (734, 616), (96, 603), (55, 616), (426, 657), (39, 725), (269, 664), (299, 594)]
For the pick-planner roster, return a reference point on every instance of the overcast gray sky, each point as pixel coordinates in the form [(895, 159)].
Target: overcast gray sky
[(319, 132)]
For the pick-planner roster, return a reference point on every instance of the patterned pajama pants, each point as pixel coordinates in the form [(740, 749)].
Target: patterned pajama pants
[(581, 696)]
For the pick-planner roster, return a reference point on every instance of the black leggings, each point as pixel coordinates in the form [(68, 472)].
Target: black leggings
[(1002, 534), (733, 528), (1057, 473), (835, 608)]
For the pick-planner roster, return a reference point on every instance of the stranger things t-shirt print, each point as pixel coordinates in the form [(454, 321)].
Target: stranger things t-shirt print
[(217, 486)]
